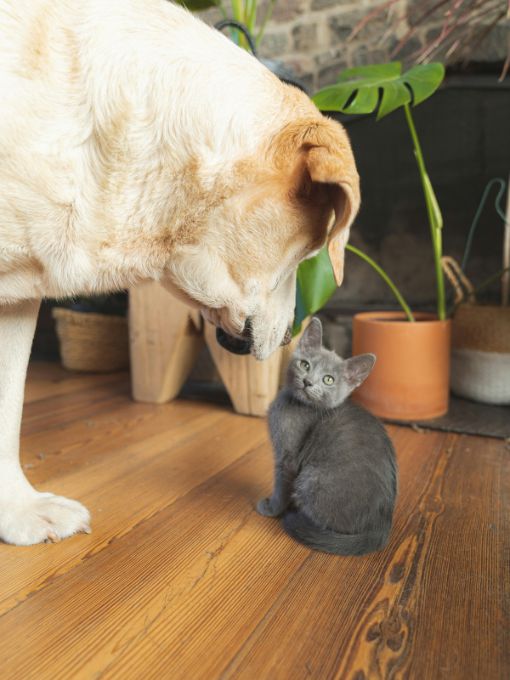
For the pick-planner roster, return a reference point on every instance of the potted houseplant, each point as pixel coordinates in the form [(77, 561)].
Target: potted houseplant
[(93, 333), (411, 377)]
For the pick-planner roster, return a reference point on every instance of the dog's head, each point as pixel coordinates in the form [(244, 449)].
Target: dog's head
[(266, 214)]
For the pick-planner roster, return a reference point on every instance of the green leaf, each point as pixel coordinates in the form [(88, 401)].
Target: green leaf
[(315, 285), (359, 89), (365, 101), (196, 5), (335, 98), (372, 72), (424, 80), (394, 96)]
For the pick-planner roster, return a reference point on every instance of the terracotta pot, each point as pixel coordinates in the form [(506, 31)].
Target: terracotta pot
[(410, 380)]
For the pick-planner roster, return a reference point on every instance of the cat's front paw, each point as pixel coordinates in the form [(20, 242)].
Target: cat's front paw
[(265, 507)]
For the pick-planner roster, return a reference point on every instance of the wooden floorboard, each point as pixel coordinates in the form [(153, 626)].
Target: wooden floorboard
[(182, 579)]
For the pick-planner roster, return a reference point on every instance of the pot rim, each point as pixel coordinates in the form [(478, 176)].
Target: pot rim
[(388, 319)]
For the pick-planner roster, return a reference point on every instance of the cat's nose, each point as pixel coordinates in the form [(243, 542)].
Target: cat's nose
[(307, 383)]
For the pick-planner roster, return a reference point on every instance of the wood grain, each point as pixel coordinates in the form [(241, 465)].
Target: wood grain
[(165, 337), (252, 385), (182, 579)]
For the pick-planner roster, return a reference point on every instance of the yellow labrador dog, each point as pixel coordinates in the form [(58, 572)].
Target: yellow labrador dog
[(138, 143)]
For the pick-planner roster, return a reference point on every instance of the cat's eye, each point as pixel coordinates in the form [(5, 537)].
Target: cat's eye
[(304, 364), (328, 379)]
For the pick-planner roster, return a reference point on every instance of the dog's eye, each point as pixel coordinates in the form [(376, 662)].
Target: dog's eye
[(304, 364), (328, 379)]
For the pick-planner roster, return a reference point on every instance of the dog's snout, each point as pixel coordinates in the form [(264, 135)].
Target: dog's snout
[(287, 337)]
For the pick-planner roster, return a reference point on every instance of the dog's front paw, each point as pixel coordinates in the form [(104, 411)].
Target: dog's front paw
[(265, 507), (42, 517)]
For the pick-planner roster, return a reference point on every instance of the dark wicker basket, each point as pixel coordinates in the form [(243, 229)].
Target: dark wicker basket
[(89, 342)]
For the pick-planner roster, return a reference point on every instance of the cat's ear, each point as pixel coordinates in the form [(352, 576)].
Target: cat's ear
[(311, 340), (357, 369)]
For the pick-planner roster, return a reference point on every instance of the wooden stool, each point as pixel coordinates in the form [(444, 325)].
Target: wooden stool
[(165, 339)]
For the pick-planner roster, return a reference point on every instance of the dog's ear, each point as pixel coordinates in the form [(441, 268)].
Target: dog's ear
[(335, 171), (325, 174)]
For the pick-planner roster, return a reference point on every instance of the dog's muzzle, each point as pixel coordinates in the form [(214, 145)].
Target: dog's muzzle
[(243, 344)]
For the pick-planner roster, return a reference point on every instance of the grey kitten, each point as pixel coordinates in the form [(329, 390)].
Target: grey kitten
[(335, 468)]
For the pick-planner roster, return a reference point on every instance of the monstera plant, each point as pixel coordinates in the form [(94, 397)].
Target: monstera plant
[(381, 88), (411, 377)]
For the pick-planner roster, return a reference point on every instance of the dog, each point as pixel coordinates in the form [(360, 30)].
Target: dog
[(138, 143)]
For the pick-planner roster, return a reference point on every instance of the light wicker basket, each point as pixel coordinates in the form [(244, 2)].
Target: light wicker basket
[(89, 342), (480, 366)]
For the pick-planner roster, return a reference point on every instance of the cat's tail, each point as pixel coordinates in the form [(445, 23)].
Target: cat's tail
[(300, 527)]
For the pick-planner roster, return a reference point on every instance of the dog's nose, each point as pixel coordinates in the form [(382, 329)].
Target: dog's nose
[(307, 383), (287, 337), (247, 328), (231, 344)]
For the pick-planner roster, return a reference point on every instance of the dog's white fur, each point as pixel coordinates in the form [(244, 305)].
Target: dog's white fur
[(136, 143)]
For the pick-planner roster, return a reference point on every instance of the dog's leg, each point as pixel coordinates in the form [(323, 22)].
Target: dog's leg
[(26, 516)]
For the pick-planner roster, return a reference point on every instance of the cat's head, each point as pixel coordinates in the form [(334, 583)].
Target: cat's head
[(319, 377)]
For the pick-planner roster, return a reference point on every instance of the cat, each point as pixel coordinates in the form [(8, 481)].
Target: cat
[(335, 468)]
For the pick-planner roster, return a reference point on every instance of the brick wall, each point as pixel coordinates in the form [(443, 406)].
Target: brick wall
[(312, 37)]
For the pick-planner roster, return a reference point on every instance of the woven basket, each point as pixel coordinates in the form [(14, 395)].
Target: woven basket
[(95, 343), (480, 368)]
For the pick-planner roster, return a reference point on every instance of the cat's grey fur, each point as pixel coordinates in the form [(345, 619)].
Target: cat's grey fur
[(335, 469)]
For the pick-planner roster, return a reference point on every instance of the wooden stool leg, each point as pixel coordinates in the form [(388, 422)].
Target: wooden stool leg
[(165, 337), (252, 385)]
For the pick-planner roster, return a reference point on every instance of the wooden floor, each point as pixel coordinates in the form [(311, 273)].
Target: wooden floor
[(182, 579)]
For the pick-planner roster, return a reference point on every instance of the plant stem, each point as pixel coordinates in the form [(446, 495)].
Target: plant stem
[(385, 278), (492, 278), (251, 18), (264, 21), (238, 15), (434, 215)]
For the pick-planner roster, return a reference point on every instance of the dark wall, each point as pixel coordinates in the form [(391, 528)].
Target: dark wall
[(465, 135)]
